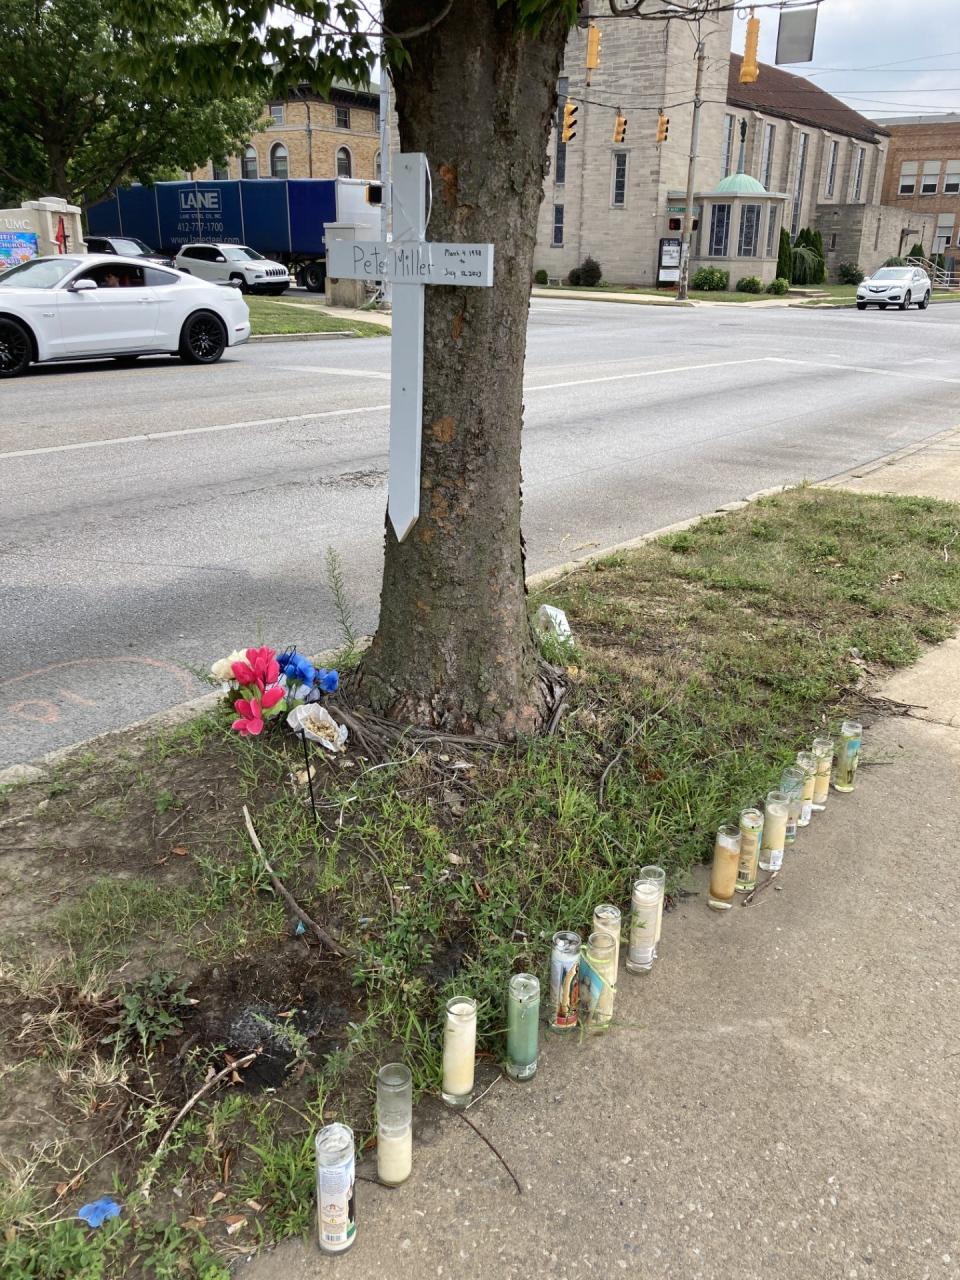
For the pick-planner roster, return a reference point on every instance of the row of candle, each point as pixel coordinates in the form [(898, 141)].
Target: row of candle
[(758, 840)]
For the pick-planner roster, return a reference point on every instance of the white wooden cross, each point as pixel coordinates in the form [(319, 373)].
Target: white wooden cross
[(409, 261)]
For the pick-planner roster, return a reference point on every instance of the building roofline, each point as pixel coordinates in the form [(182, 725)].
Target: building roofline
[(808, 103)]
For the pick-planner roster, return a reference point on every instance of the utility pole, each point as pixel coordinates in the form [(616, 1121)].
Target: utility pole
[(385, 166), (691, 172)]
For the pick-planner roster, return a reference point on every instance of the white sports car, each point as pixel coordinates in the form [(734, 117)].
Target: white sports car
[(80, 307)]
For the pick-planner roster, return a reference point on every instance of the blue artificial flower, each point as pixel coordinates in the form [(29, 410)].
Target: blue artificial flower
[(329, 681), (297, 668), (99, 1211)]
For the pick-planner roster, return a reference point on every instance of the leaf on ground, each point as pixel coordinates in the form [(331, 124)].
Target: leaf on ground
[(180, 850), (234, 1223), (217, 1197)]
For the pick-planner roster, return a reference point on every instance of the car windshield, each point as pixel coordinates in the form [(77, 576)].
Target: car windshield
[(893, 273), (39, 273), (240, 253), (133, 248)]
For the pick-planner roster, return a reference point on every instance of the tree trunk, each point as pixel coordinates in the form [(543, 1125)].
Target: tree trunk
[(454, 647)]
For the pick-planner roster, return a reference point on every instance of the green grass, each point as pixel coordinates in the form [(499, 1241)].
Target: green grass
[(267, 317), (704, 662)]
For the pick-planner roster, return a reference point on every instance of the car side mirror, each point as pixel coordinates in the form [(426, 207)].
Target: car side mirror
[(219, 258), (82, 286)]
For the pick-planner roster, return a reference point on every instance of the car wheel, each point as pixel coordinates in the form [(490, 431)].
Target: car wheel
[(906, 301), (922, 306), (203, 339), (241, 283), (314, 278), (16, 349), (861, 306)]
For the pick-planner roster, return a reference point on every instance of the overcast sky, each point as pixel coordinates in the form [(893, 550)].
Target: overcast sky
[(922, 39)]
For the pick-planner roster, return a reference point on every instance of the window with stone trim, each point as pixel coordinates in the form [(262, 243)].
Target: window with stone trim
[(930, 178), (726, 160), (560, 147), (343, 117), (831, 171), (278, 114), (344, 163), (858, 163), (557, 225), (748, 241), (803, 142), (249, 164), (951, 178), (773, 231), (220, 173), (908, 178), (618, 189), (766, 154), (719, 242), (944, 236), (279, 161)]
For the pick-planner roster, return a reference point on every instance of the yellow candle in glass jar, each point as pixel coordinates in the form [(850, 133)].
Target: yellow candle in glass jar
[(726, 864)]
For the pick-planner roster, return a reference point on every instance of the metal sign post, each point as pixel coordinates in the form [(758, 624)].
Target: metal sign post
[(409, 261)]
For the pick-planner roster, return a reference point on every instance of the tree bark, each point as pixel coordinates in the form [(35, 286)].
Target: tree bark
[(454, 647)]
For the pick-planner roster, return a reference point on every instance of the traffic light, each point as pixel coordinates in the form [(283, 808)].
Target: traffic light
[(663, 127), (569, 131), (749, 71), (593, 50), (620, 128)]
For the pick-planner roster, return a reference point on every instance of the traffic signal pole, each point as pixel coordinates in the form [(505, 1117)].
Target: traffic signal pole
[(683, 280)]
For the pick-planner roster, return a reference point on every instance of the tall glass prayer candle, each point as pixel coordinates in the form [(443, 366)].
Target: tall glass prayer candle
[(774, 831), (394, 1124), (791, 784), (459, 1051), (523, 1026), (659, 877), (823, 752), (564, 981), (807, 761), (726, 864), (336, 1188), (597, 982), (606, 919), (645, 907), (848, 755), (751, 830)]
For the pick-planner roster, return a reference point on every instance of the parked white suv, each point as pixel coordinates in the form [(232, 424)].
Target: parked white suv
[(894, 286), (233, 264)]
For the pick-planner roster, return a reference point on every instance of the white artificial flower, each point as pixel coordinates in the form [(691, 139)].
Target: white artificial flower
[(223, 670)]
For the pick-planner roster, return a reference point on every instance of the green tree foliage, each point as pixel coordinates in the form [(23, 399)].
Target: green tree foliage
[(917, 251), (806, 265), (784, 256), (81, 114)]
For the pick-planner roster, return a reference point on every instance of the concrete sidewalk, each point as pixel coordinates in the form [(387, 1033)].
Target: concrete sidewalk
[(778, 1098)]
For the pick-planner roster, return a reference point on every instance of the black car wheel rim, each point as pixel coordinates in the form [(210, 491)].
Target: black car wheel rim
[(206, 339), (13, 348)]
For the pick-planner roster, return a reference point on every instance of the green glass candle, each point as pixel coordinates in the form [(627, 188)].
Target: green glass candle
[(848, 755), (523, 1026)]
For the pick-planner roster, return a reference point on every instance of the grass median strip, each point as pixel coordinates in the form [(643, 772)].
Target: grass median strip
[(704, 661), (268, 317)]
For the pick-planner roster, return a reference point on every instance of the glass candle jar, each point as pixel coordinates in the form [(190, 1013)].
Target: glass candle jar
[(726, 865), (848, 755), (564, 981), (606, 919), (523, 1026), (823, 753), (659, 877), (751, 830), (807, 761), (597, 982), (394, 1123), (774, 831), (336, 1188), (645, 907), (791, 784), (459, 1051)]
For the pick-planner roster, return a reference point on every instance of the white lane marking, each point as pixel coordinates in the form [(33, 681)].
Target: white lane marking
[(647, 373), (864, 368), (322, 368), (194, 431)]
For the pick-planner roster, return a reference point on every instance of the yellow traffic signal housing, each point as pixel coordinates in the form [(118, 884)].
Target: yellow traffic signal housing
[(593, 49), (749, 70), (569, 131), (663, 127), (620, 128)]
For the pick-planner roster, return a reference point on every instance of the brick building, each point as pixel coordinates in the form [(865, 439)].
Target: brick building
[(922, 179), (307, 136)]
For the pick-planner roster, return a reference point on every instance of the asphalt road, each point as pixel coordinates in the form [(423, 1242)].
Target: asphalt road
[(154, 518)]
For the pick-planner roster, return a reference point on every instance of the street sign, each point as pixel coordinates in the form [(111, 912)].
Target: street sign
[(409, 261)]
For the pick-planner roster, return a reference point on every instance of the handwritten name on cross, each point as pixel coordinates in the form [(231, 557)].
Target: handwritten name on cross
[(410, 262)]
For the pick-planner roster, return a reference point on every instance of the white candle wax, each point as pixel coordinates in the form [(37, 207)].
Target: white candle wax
[(645, 913), (459, 1050), (394, 1154)]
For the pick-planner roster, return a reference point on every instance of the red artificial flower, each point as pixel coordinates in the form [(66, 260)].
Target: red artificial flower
[(245, 675), (271, 697), (251, 716)]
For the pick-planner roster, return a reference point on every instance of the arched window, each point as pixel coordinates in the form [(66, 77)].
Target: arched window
[(344, 163), (278, 161), (249, 167), (376, 166), (221, 172)]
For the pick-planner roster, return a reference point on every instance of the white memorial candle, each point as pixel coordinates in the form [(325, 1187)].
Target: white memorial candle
[(394, 1155), (459, 1050)]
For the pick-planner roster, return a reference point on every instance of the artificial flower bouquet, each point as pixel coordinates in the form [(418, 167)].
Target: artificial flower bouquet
[(269, 684)]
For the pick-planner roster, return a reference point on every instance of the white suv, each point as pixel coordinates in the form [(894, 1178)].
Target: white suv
[(233, 264), (895, 286)]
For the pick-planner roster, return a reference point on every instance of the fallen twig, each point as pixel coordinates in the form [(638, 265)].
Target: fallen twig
[(187, 1107), (467, 1121), (284, 892), (759, 889)]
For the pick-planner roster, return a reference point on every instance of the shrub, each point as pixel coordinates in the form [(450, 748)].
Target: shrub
[(784, 256), (540, 277), (849, 273), (806, 265), (591, 272), (710, 279), (750, 284), (917, 251), (816, 244), (574, 277), (895, 262), (778, 286)]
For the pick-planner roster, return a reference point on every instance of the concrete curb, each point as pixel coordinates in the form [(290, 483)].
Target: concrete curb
[(887, 460), (304, 337)]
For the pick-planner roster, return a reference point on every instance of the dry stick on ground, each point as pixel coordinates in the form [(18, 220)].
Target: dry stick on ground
[(284, 892), (467, 1121), (759, 889), (187, 1107)]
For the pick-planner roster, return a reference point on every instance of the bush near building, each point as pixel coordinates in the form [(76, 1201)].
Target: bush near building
[(785, 256), (750, 284), (540, 277), (778, 286), (575, 278), (591, 273), (710, 280), (917, 251), (849, 273)]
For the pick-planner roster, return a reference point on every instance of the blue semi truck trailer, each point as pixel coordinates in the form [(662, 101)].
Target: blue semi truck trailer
[(280, 218)]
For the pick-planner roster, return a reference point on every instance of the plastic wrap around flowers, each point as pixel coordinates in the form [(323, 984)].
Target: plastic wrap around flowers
[(269, 684)]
